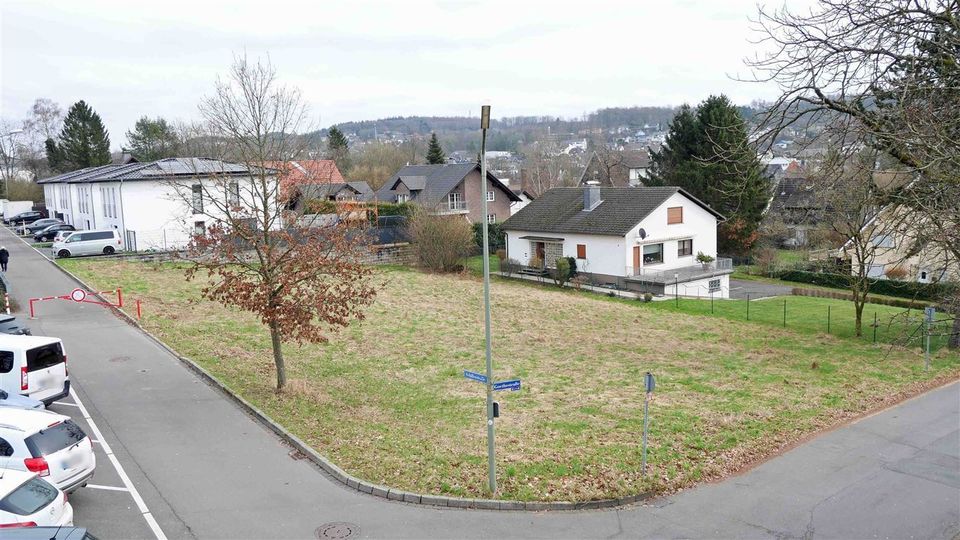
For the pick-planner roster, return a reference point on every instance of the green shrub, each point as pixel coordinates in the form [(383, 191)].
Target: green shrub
[(496, 237), (395, 209), (561, 274), (647, 297)]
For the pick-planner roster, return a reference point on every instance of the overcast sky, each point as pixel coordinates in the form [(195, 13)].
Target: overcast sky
[(364, 60)]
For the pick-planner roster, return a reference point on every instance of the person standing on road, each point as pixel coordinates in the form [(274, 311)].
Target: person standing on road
[(4, 257)]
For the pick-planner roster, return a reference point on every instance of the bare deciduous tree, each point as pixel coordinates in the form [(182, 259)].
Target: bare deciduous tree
[(545, 167), (891, 70), (303, 280)]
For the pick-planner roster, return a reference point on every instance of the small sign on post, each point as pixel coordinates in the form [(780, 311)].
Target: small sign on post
[(649, 383), (474, 376), (512, 385)]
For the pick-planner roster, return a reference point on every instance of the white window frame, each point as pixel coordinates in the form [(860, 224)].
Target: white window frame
[(402, 198), (491, 218), (233, 194), (491, 196), (196, 199), (455, 201)]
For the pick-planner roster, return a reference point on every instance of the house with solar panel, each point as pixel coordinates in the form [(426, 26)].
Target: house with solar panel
[(450, 189), (661, 240), (156, 205)]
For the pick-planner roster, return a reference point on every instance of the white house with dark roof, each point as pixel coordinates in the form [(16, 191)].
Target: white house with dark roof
[(142, 200), (642, 239)]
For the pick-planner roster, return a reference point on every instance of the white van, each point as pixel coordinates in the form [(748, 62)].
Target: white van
[(34, 366), (106, 242)]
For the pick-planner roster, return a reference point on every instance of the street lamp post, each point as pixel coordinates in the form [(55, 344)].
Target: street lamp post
[(491, 462), (676, 288)]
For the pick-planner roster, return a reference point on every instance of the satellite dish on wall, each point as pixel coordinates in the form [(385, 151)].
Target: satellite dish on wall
[(642, 233)]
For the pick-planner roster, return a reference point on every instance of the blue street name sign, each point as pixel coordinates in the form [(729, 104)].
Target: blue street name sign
[(474, 376), (512, 385)]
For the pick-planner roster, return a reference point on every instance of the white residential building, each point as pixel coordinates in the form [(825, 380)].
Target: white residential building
[(643, 239), (156, 205)]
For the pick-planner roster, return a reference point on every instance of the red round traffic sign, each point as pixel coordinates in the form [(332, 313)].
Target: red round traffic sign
[(78, 295)]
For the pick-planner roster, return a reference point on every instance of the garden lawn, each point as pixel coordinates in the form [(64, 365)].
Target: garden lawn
[(386, 399)]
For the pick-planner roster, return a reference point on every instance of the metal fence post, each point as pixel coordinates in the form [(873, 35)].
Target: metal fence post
[(828, 318), (875, 326), (748, 306), (784, 312)]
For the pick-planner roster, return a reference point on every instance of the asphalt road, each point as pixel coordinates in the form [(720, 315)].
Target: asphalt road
[(740, 288), (204, 469)]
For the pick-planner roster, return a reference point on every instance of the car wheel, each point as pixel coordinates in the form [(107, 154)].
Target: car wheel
[(108, 250), (63, 254)]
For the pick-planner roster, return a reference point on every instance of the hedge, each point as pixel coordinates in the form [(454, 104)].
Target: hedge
[(496, 236), (889, 287)]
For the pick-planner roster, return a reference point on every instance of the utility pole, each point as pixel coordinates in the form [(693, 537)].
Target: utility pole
[(491, 462)]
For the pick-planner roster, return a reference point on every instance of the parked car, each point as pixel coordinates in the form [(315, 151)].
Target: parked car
[(106, 242), (42, 224), (49, 233), (34, 366), (49, 444), (26, 500), (19, 402), (61, 235), (10, 325), (49, 533), (24, 217)]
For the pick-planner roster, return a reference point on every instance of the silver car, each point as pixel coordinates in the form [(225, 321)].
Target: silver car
[(105, 242)]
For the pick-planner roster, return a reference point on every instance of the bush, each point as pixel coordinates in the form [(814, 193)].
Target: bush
[(501, 254), (888, 287), (572, 261), (765, 259), (561, 274), (647, 297), (440, 242), (897, 272), (396, 209), (510, 266), (496, 236)]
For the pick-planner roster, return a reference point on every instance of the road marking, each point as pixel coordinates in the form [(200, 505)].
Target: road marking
[(68, 404), (109, 488), (151, 522)]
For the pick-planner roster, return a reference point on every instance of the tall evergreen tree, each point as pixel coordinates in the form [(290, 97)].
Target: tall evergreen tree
[(84, 142), (435, 155), (152, 139), (707, 152), (338, 149), (54, 155)]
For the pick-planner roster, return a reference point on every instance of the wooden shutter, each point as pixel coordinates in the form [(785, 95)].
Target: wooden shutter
[(674, 215), (581, 251)]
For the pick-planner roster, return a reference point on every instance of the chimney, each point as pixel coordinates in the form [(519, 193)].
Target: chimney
[(591, 196)]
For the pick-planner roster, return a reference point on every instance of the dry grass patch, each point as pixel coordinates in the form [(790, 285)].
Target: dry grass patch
[(386, 399)]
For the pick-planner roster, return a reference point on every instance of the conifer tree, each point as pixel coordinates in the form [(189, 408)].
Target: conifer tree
[(84, 142), (435, 155), (338, 149)]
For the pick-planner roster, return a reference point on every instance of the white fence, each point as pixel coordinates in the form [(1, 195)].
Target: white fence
[(156, 240)]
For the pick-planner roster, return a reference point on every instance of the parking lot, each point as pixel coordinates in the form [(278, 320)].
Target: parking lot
[(110, 503)]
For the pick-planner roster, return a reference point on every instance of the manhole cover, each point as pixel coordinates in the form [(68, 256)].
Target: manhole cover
[(119, 359), (338, 530)]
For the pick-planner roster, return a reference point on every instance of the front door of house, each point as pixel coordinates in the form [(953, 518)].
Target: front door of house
[(636, 260), (541, 252)]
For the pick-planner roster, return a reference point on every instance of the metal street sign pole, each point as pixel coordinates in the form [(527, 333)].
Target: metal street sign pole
[(929, 314), (649, 383), (491, 462)]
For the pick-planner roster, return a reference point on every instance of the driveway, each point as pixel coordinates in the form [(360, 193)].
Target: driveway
[(204, 469), (740, 288)]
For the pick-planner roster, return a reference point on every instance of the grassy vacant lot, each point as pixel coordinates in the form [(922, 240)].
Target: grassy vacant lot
[(386, 399), (894, 325)]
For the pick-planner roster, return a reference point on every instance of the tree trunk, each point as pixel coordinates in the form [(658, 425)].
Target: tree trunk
[(278, 356), (954, 341), (859, 299)]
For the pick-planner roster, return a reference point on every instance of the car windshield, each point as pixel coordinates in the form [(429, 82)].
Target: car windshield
[(29, 498), (54, 439)]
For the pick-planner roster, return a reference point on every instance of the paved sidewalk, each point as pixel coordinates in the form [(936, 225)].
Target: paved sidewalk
[(207, 470), (740, 288)]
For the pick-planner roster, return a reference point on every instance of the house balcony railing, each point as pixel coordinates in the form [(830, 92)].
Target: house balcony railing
[(452, 208), (684, 273)]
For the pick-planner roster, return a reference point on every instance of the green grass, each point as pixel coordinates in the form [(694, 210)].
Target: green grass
[(475, 264), (386, 400), (894, 325), (41, 245)]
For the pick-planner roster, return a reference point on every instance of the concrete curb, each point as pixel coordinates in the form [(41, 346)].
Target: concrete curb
[(346, 478)]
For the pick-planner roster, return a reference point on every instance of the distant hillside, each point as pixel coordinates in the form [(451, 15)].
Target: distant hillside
[(459, 133)]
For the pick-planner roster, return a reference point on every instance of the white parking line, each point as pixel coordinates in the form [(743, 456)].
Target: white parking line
[(151, 522), (108, 488), (67, 404)]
